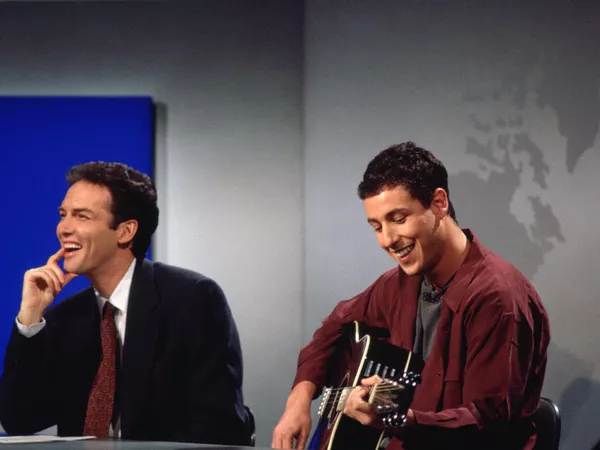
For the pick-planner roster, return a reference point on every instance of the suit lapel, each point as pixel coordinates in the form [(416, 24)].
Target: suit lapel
[(140, 342)]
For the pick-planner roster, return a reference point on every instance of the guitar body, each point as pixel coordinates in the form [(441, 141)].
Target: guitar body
[(364, 355)]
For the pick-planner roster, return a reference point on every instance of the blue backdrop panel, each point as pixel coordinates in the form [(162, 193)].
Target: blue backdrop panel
[(40, 139)]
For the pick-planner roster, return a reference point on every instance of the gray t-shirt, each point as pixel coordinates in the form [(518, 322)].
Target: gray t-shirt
[(429, 308)]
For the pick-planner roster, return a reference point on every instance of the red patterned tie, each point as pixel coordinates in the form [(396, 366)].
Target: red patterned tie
[(102, 396)]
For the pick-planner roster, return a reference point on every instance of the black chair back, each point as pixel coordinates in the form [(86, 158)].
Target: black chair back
[(251, 426), (547, 423)]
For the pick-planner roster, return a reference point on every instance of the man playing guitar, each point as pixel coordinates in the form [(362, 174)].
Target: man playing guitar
[(474, 319)]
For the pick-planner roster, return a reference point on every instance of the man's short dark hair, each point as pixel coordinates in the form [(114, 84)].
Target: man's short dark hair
[(415, 169), (133, 197)]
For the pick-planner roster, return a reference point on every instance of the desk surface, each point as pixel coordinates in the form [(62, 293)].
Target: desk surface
[(115, 444)]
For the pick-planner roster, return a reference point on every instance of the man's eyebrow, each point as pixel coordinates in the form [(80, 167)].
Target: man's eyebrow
[(76, 210)]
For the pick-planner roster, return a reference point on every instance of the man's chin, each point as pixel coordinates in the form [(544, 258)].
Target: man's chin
[(76, 270), (410, 269)]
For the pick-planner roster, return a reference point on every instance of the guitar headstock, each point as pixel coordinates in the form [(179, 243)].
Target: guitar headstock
[(394, 396)]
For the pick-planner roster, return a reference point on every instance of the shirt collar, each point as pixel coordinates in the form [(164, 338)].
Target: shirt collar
[(466, 272), (120, 296)]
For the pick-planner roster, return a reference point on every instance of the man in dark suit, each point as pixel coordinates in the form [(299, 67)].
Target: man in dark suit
[(147, 352)]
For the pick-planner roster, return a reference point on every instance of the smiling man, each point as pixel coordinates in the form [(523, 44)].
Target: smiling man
[(147, 352), (475, 320)]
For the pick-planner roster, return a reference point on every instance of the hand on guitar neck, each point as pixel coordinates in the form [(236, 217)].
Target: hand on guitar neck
[(361, 407)]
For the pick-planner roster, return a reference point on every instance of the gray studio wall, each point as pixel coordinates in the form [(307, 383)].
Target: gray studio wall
[(507, 94), (228, 79)]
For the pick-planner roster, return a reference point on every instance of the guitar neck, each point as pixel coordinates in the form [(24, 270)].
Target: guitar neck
[(378, 395)]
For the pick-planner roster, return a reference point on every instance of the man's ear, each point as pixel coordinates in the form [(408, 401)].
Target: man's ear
[(126, 232), (439, 203)]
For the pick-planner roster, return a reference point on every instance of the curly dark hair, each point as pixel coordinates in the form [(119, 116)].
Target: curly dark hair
[(133, 197), (415, 169)]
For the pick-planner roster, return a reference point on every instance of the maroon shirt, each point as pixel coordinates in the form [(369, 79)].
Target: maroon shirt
[(483, 378)]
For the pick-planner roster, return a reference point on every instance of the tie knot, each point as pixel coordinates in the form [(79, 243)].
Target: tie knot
[(108, 310)]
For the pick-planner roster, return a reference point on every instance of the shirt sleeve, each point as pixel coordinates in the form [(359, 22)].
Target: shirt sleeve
[(367, 307), (31, 330)]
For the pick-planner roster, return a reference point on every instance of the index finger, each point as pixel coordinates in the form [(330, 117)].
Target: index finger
[(57, 256), (359, 392), (372, 380)]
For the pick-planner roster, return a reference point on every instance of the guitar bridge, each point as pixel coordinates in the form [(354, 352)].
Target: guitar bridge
[(325, 400), (341, 404)]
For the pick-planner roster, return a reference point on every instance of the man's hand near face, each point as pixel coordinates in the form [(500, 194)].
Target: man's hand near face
[(40, 287)]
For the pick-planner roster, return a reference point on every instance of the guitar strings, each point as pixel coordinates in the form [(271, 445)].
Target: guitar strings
[(380, 399), (384, 388), (332, 401)]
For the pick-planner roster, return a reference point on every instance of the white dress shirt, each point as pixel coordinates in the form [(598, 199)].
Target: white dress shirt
[(119, 299)]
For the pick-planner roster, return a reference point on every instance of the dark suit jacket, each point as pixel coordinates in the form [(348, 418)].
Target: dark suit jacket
[(181, 372)]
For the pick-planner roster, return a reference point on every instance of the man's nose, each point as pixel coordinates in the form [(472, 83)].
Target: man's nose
[(388, 237), (64, 227)]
